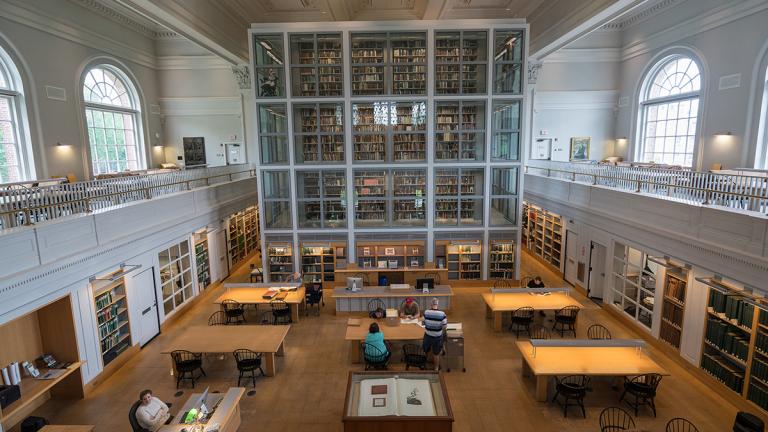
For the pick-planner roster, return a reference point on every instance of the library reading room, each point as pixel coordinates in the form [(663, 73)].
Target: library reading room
[(383, 215)]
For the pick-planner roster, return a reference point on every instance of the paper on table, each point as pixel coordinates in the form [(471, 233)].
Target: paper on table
[(395, 396), (52, 374), (409, 320), (414, 398), (379, 404)]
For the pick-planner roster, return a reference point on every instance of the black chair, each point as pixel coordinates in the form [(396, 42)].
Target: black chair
[(247, 362), (135, 426), (376, 306), (680, 424), (643, 388), (572, 388), (565, 319), (234, 310), (522, 318), (435, 276), (314, 297), (615, 419), (502, 284), (598, 332), (186, 364), (540, 332), (374, 358), (747, 422), (217, 318), (414, 356), (281, 312), (525, 280)]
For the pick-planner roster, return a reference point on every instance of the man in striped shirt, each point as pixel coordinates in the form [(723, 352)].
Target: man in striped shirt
[(435, 322)]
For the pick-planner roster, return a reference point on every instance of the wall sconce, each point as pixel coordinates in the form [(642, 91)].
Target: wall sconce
[(621, 140), (61, 144), (723, 134)]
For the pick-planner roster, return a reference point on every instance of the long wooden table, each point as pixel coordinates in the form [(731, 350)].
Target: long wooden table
[(227, 414), (583, 360), (68, 428), (269, 340), (402, 332), (253, 294), (357, 301), (498, 303)]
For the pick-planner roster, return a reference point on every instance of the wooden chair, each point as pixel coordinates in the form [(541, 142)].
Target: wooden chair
[(502, 284), (435, 276), (247, 361), (565, 319), (217, 318), (571, 388), (522, 318), (680, 424), (374, 358), (643, 388), (281, 312), (540, 332), (234, 310), (186, 364), (414, 356), (376, 306), (614, 419), (598, 332)]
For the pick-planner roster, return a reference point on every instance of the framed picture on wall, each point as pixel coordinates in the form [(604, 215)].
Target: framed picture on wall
[(580, 148)]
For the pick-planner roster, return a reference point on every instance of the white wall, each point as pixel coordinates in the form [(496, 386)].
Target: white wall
[(52, 41)]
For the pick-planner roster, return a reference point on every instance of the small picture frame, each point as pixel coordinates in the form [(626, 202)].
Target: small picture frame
[(366, 251), (580, 148), (389, 251), (382, 264), (414, 263)]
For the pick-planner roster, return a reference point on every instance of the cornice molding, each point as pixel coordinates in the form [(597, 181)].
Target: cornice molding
[(200, 106), (584, 55), (640, 16), (115, 16), (201, 62), (575, 100)]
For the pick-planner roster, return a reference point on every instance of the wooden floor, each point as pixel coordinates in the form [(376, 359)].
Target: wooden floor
[(308, 391)]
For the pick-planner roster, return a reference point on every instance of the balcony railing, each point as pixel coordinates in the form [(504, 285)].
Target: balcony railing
[(748, 191), (20, 206)]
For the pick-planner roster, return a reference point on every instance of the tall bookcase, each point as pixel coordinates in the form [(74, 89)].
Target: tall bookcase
[(242, 235), (318, 264), (543, 234), (202, 259), (464, 261), (113, 329), (280, 256), (673, 306), (501, 260)]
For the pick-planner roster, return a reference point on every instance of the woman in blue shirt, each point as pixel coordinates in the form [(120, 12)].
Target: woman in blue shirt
[(375, 338)]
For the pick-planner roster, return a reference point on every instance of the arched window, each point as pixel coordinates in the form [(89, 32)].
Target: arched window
[(112, 112), (13, 160), (669, 105)]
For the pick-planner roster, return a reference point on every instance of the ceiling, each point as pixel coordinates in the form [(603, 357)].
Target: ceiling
[(221, 25)]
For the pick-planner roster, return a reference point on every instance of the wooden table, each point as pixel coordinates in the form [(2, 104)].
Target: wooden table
[(68, 385), (227, 414), (357, 301), (402, 332), (586, 360), (269, 340), (68, 428), (499, 303), (253, 294)]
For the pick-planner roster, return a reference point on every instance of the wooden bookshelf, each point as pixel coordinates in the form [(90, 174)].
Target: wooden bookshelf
[(465, 262), (203, 261), (319, 136), (409, 63), (673, 306), (242, 234), (113, 329), (402, 254), (460, 62), (501, 260), (543, 234), (459, 127), (389, 63), (318, 264), (280, 256), (316, 65), (368, 69)]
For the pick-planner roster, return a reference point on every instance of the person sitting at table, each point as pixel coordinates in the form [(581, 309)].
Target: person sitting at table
[(409, 309), (536, 282), (152, 413), (375, 338)]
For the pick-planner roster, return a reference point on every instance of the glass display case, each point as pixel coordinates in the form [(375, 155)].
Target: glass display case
[(370, 198), (459, 131), (389, 131), (273, 134), (389, 63), (410, 191), (321, 199), (316, 65), (368, 63), (508, 62), (408, 63), (277, 199), (505, 142), (458, 196), (268, 70), (461, 59), (318, 133)]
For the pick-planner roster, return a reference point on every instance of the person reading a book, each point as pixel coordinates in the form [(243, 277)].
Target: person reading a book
[(152, 413), (536, 282), (409, 309), (435, 322), (374, 342)]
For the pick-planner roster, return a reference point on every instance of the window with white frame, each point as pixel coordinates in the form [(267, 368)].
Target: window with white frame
[(112, 112), (761, 161), (13, 165), (175, 275), (669, 105)]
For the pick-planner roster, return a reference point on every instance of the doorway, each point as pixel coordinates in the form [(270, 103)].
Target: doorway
[(146, 292), (596, 279), (570, 272)]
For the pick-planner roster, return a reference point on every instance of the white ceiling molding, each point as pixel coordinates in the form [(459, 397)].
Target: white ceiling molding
[(709, 20), (641, 15), (207, 62), (200, 106), (584, 55), (110, 13), (575, 100), (26, 14)]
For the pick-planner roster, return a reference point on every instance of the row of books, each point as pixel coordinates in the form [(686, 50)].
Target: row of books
[(759, 395), (760, 369), (723, 371), (761, 342), (727, 339), (734, 308)]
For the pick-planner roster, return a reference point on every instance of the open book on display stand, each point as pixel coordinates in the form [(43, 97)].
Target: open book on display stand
[(396, 396)]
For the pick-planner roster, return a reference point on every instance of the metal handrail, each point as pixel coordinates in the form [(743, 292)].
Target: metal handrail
[(743, 192), (27, 206)]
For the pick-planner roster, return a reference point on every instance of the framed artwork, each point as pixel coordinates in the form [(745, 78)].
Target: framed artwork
[(580, 148), (389, 251)]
